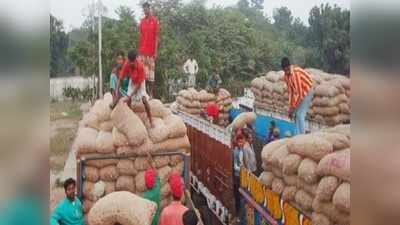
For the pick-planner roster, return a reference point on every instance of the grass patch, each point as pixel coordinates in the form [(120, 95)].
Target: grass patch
[(70, 107), (60, 146)]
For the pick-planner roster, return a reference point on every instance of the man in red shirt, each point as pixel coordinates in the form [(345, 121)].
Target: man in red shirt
[(149, 29), (137, 84)]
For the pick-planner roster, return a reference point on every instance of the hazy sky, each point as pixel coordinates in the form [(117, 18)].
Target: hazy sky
[(72, 12)]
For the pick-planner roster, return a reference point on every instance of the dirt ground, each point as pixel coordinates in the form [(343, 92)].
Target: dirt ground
[(64, 119)]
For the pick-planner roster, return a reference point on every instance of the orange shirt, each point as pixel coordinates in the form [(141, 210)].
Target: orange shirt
[(148, 30), (172, 214), (299, 83)]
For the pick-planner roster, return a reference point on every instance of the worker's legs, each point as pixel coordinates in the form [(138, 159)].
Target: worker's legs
[(147, 108), (301, 112)]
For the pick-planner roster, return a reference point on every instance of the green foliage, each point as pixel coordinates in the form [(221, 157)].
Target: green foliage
[(78, 94), (58, 47)]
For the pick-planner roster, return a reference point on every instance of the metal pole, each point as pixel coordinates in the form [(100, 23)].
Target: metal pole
[(100, 8)]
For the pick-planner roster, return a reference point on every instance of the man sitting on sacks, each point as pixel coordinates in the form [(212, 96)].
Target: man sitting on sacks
[(211, 112), (137, 84)]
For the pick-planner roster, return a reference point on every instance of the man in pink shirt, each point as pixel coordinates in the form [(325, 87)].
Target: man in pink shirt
[(173, 213)]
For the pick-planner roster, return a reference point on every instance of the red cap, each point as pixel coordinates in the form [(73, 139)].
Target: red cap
[(176, 185), (150, 178)]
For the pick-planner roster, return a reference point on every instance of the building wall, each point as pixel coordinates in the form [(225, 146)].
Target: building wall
[(58, 84)]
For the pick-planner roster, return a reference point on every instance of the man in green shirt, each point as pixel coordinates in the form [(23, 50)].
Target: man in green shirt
[(153, 185), (119, 61), (68, 211)]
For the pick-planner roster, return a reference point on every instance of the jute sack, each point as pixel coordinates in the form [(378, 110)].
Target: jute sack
[(204, 96), (223, 94), (309, 188), (279, 155), (291, 163), (129, 124), (185, 94), (109, 187), (336, 83), (125, 183), (289, 192), (344, 108), (273, 76), (102, 110), (87, 205), (160, 161), (164, 173), (90, 120), (126, 167), (175, 160), (325, 89), (194, 93), (193, 111), (140, 183), (329, 210), (141, 150), (175, 126), (165, 191), (88, 188), (257, 83), (158, 109), (85, 140), (105, 143), (178, 168), (91, 174), (326, 111), (175, 144), (320, 219), (330, 101), (159, 132), (100, 163), (142, 163), (277, 171), (188, 103), (307, 170), (336, 164), (277, 185), (124, 208), (341, 198), (243, 119), (326, 188), (270, 148), (106, 126), (109, 173), (119, 139), (304, 200), (309, 145), (338, 141), (290, 180), (257, 92), (266, 178)]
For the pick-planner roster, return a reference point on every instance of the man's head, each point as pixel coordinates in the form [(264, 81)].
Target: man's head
[(132, 57), (240, 141), (189, 217), (146, 8), (285, 64), (119, 57), (272, 124), (69, 187)]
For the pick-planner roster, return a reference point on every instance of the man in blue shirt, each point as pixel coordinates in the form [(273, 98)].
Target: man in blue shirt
[(68, 211)]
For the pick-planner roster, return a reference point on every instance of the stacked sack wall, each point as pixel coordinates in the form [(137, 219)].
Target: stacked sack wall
[(330, 105), (129, 134), (312, 173), (194, 102)]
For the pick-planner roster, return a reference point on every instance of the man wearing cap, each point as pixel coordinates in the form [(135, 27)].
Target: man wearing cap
[(153, 185), (173, 213)]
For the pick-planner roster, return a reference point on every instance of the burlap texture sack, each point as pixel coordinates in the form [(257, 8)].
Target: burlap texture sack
[(188, 103), (158, 109), (106, 126), (341, 198), (304, 200), (344, 108), (109, 173), (109, 187), (164, 173), (257, 83), (126, 167), (307, 171), (336, 164), (90, 120), (270, 148), (119, 138), (277, 185), (87, 205), (325, 89), (243, 119), (329, 210), (338, 141), (91, 174), (309, 145), (326, 111), (175, 126), (142, 163), (125, 183), (326, 188), (141, 150), (140, 183), (159, 132), (105, 143), (320, 219), (124, 208), (289, 192), (176, 144), (128, 123), (178, 168), (291, 163), (290, 180), (100, 163), (165, 191), (277, 171), (88, 188), (85, 141), (102, 110), (160, 161), (192, 111), (279, 155), (266, 178), (311, 189), (330, 101)]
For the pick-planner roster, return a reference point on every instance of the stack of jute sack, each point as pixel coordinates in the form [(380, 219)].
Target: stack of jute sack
[(330, 105), (312, 173), (127, 133), (194, 102)]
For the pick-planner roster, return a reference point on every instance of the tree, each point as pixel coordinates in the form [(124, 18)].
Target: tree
[(282, 18), (58, 47)]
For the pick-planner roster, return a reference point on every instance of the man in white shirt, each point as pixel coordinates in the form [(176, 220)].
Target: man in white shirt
[(191, 68)]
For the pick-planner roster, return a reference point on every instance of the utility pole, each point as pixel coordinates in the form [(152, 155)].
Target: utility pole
[(100, 10)]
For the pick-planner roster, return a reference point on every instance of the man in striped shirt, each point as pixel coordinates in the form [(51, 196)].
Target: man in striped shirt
[(301, 92)]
